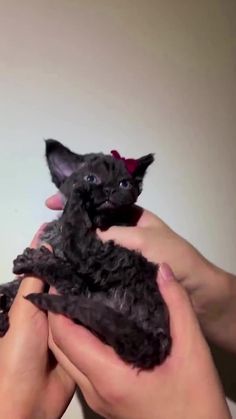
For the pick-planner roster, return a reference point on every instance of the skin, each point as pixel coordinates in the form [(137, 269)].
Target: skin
[(41, 387), (188, 377), (33, 384), (115, 390)]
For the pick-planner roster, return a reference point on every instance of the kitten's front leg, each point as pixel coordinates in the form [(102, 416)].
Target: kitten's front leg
[(75, 213), (76, 227), (8, 292), (45, 265)]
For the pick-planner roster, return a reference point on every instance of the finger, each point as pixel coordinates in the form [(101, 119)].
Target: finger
[(68, 366), (182, 316), (65, 365), (21, 308), (147, 218), (36, 239), (55, 202), (84, 350), (28, 285)]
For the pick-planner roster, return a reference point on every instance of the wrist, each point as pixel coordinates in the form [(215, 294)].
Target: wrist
[(217, 312)]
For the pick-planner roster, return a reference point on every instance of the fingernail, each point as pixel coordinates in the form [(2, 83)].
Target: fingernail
[(56, 200), (166, 272)]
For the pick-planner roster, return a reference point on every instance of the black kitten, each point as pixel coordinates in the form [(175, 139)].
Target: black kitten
[(105, 287)]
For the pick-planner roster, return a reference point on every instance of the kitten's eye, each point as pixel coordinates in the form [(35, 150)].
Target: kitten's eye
[(91, 179), (125, 184)]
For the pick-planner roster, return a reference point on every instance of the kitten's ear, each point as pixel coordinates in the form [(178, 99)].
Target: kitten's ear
[(61, 161), (142, 165)]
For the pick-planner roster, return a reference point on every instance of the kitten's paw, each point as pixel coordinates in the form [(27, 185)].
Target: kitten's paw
[(24, 263)]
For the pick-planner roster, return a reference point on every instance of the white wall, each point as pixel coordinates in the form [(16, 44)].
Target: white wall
[(134, 75)]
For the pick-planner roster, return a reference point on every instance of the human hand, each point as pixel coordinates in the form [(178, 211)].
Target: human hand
[(154, 239), (185, 386), (159, 243), (33, 384), (212, 291)]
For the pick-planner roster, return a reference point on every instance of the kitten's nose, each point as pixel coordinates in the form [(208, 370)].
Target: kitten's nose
[(107, 191)]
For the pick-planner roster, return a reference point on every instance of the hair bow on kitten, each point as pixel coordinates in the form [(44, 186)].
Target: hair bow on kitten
[(130, 164)]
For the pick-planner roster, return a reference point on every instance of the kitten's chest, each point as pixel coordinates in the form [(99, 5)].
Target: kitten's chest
[(88, 244)]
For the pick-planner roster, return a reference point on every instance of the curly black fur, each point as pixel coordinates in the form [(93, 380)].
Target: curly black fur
[(105, 287)]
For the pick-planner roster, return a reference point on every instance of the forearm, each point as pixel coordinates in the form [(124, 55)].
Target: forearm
[(9, 410), (218, 319), (16, 404)]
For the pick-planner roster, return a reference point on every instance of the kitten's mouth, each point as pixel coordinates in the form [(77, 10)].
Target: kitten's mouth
[(106, 205)]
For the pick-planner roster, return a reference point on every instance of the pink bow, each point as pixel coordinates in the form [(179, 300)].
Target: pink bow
[(130, 164)]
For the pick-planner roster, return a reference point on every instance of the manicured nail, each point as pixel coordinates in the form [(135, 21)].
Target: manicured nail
[(166, 272)]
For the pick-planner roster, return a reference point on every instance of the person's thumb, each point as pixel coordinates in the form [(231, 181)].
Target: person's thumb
[(56, 202), (182, 317)]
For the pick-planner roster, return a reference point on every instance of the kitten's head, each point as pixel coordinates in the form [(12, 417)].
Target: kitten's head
[(112, 182)]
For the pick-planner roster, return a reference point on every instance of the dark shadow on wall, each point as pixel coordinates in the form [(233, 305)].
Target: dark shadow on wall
[(226, 365), (87, 412)]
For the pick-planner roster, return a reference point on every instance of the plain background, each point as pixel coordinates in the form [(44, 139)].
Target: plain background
[(138, 76)]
